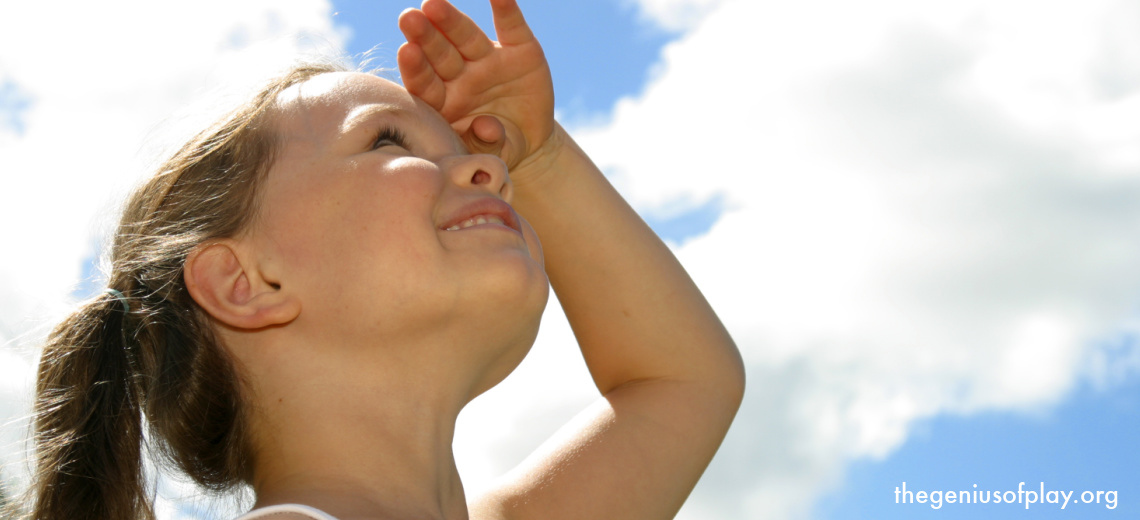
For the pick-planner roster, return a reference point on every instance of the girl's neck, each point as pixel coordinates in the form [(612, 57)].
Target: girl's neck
[(358, 442)]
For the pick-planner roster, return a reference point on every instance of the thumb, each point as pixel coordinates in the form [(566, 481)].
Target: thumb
[(485, 135)]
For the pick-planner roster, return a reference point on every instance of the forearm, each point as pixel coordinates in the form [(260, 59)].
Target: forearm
[(636, 313)]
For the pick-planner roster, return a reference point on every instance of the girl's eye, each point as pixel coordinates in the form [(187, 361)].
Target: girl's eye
[(389, 136)]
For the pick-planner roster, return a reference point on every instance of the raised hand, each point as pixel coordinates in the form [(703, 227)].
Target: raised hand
[(497, 95), (670, 376)]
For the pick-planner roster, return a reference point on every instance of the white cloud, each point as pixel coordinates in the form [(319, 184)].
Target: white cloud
[(934, 211)]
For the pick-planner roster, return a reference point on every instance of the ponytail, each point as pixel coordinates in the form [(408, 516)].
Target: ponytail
[(88, 422), (110, 364)]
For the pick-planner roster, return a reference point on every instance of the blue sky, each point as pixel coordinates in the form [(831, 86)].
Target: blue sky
[(1086, 442), (918, 220), (607, 51)]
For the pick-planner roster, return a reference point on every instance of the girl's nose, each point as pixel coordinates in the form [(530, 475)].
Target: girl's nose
[(481, 171)]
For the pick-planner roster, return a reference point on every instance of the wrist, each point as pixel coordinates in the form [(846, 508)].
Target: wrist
[(540, 168)]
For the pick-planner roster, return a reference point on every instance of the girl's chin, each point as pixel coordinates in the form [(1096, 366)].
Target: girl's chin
[(506, 359)]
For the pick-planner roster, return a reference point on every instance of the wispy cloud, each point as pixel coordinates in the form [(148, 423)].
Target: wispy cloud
[(675, 15), (14, 105)]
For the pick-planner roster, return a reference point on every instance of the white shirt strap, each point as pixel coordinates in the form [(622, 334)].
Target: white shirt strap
[(268, 512)]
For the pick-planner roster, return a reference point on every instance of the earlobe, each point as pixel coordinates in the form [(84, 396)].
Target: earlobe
[(232, 290)]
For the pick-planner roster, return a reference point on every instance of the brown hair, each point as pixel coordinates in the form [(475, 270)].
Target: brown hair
[(106, 366)]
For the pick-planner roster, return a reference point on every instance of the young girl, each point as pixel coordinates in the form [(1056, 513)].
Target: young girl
[(307, 294)]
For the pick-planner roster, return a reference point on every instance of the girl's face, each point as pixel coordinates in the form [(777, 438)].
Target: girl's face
[(376, 215)]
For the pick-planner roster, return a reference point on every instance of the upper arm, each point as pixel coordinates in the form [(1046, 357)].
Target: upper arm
[(635, 453)]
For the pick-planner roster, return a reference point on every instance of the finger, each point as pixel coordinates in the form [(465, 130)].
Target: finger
[(510, 26), (458, 28), (419, 77), (437, 49)]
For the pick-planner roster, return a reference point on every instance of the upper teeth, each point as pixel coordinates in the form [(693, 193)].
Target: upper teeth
[(476, 220)]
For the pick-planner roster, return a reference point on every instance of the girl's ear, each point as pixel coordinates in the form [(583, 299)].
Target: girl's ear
[(230, 288)]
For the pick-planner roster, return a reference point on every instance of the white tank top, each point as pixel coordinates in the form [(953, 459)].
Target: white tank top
[(268, 512)]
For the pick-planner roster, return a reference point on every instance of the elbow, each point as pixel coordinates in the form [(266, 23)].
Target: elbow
[(735, 380), (727, 379)]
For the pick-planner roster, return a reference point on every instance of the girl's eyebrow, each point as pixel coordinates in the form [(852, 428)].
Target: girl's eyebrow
[(364, 113)]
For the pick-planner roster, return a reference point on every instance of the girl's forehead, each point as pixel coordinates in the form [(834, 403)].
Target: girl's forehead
[(330, 99), (343, 87), (312, 115)]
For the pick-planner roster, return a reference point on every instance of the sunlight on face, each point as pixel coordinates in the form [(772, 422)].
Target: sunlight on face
[(376, 214)]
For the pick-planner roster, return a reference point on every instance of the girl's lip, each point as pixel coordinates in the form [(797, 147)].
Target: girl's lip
[(484, 206)]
